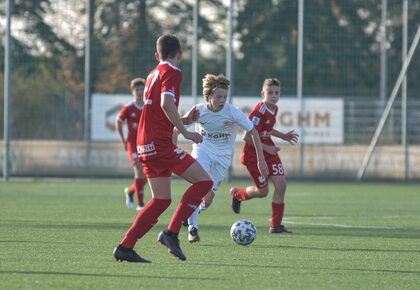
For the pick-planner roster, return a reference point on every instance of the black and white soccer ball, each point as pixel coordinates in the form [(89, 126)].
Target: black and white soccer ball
[(243, 232)]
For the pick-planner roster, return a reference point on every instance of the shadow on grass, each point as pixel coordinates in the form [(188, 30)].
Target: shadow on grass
[(105, 275), (338, 249), (307, 268), (398, 233)]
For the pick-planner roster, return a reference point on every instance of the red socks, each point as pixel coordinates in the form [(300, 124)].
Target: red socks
[(241, 195), (277, 214), (189, 202), (139, 189), (145, 220)]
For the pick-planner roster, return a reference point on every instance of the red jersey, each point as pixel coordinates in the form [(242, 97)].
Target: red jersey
[(131, 113), (154, 137), (263, 119)]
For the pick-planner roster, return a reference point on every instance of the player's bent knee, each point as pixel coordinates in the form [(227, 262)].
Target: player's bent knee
[(263, 192)]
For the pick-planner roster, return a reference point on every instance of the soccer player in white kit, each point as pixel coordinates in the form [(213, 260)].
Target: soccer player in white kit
[(218, 123)]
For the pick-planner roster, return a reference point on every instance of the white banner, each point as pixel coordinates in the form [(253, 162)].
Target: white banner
[(322, 120)]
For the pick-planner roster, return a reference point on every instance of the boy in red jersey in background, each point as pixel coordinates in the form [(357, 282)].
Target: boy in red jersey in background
[(130, 114), (264, 117), (160, 157)]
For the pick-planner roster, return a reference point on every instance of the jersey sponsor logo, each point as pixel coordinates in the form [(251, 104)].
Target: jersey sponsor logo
[(146, 150), (255, 121), (215, 136)]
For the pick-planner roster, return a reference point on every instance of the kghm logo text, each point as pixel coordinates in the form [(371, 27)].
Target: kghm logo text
[(216, 136)]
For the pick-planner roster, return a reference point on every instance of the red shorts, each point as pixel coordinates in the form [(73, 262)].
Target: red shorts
[(132, 153), (176, 161), (275, 167)]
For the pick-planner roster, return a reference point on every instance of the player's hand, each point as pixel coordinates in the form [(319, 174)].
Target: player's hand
[(291, 137), (263, 168), (272, 150), (193, 136), (191, 116)]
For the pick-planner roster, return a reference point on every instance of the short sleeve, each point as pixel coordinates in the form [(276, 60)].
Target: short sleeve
[(122, 115), (255, 118), (170, 83)]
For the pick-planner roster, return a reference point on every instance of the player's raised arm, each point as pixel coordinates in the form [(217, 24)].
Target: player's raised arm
[(191, 116), (171, 112), (270, 149), (291, 136)]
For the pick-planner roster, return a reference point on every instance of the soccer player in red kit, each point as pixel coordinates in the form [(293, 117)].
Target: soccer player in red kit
[(130, 114), (160, 157), (264, 117)]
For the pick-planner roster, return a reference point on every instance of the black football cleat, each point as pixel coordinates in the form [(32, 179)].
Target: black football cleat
[(279, 230), (129, 255), (172, 243), (193, 236), (185, 223), (235, 203)]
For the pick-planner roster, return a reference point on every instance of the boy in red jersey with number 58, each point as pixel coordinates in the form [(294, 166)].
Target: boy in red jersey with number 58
[(263, 116)]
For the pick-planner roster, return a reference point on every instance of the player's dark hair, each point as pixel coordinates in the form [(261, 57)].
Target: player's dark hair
[(137, 82), (168, 46)]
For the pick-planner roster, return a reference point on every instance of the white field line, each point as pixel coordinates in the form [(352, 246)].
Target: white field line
[(353, 217), (351, 226)]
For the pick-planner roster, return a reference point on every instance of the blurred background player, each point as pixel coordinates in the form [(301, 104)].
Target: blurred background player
[(218, 124), (160, 157), (130, 114), (263, 116)]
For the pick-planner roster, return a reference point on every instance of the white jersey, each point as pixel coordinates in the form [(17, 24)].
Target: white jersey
[(219, 130)]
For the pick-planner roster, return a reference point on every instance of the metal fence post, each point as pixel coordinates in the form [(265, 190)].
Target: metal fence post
[(7, 90)]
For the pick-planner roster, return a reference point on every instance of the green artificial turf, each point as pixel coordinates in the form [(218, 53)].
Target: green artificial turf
[(60, 235)]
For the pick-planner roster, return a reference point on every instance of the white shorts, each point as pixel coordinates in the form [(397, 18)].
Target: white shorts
[(214, 165)]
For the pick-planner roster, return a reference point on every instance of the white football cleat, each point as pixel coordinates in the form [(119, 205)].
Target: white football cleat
[(128, 202)]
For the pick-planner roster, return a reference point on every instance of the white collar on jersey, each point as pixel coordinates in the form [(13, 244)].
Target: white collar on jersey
[(170, 64), (137, 105), (270, 111)]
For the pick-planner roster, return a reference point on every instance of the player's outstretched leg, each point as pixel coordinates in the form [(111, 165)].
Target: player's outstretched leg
[(171, 241), (124, 254)]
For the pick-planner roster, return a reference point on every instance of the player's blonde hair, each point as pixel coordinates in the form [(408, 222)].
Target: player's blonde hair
[(271, 82), (212, 82), (137, 82)]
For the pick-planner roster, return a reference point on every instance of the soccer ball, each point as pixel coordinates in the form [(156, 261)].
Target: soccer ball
[(243, 232)]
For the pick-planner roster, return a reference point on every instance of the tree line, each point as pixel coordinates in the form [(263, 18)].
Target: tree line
[(341, 51)]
